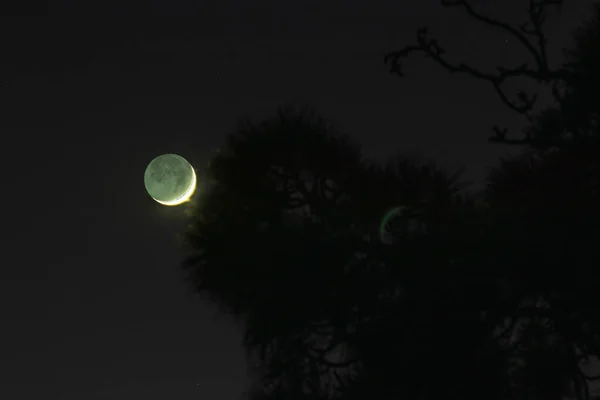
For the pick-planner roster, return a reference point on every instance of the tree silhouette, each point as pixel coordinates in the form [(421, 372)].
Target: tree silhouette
[(542, 205), (287, 239), (495, 298), (546, 211), (572, 123), (530, 34)]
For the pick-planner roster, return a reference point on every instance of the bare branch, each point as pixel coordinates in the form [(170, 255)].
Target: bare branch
[(538, 54), (529, 34)]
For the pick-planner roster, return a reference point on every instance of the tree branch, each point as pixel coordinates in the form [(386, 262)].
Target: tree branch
[(530, 29), (535, 12)]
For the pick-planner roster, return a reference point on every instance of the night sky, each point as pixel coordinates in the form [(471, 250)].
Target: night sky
[(93, 303)]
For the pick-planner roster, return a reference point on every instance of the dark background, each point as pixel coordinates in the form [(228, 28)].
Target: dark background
[(93, 302)]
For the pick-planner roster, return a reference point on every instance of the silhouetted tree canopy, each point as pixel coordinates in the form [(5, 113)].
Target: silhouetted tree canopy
[(573, 121), (494, 299), (542, 204), (287, 239), (531, 35)]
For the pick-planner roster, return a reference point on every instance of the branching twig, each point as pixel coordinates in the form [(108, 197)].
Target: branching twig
[(529, 34)]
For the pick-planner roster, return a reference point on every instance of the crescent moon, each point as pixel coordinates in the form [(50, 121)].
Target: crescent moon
[(185, 196), (384, 236)]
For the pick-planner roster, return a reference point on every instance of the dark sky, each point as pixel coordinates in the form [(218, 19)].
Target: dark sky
[(93, 303)]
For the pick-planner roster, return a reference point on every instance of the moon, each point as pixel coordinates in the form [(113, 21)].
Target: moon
[(408, 220), (170, 180), (384, 235)]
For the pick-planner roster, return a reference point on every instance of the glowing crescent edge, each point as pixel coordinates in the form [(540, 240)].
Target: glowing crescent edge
[(185, 196), (396, 211)]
